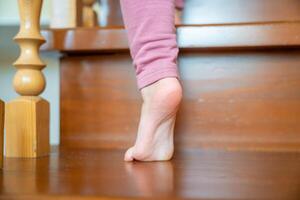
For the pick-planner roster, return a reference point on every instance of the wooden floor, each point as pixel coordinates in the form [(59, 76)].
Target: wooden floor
[(192, 174)]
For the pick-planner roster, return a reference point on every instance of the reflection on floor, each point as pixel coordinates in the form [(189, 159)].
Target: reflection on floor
[(192, 174)]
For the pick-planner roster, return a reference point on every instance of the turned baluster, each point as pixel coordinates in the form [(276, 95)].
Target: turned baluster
[(89, 15), (27, 117), (1, 132)]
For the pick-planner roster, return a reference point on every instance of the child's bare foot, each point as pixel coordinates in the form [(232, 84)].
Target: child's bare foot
[(156, 129)]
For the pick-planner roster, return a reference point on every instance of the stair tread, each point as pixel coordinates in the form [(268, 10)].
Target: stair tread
[(190, 37), (192, 174)]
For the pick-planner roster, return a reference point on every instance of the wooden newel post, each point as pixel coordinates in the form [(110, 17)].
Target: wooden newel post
[(27, 117), (1, 132)]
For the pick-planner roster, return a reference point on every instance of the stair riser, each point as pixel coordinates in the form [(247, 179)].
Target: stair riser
[(242, 100)]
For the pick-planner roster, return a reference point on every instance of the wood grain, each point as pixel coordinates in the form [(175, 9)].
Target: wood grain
[(1, 132), (243, 100), (246, 100), (27, 127), (99, 174)]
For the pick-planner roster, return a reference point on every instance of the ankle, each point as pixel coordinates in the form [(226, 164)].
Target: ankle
[(168, 91)]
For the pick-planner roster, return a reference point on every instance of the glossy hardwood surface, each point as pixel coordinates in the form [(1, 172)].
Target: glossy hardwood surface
[(241, 100), (195, 174), (246, 36)]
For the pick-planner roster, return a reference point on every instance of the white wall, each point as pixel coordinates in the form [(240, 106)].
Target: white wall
[(9, 12), (9, 52)]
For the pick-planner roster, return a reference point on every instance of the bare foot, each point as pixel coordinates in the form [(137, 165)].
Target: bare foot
[(156, 129)]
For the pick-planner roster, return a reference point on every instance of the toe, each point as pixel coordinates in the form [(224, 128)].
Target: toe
[(128, 155)]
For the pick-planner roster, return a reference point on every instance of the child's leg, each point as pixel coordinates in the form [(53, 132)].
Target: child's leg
[(152, 40)]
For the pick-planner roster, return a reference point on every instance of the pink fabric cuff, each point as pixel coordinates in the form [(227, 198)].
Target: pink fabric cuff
[(156, 73), (179, 4)]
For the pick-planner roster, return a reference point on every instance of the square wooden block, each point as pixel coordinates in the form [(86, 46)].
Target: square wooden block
[(27, 127)]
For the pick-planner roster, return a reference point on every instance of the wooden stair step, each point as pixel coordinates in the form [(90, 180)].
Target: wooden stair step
[(236, 100), (239, 66), (193, 174), (190, 37)]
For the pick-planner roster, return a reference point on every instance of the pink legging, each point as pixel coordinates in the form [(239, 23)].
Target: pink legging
[(152, 38)]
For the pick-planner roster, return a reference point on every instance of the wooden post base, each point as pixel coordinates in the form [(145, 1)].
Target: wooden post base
[(27, 127), (1, 131)]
